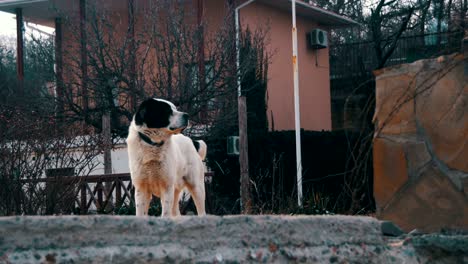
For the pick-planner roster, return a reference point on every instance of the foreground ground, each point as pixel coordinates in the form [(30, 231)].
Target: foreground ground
[(212, 239)]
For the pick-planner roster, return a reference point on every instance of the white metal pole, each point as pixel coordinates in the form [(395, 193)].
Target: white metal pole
[(297, 106)]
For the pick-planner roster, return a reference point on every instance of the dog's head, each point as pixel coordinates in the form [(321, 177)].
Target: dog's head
[(159, 119)]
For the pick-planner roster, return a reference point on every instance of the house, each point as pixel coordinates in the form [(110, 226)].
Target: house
[(313, 62)]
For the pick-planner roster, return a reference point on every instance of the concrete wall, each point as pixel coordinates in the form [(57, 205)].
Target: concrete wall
[(421, 144), (119, 161), (213, 239)]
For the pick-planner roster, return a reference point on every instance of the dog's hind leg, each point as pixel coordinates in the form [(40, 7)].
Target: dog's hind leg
[(198, 195), (142, 201), (175, 205)]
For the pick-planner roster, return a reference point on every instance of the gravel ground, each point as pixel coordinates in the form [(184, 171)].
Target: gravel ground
[(229, 239)]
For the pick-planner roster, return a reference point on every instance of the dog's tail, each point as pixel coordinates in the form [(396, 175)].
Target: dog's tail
[(201, 148)]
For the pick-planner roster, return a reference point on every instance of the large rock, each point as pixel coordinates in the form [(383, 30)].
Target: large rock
[(394, 97), (421, 144), (442, 112), (428, 203), (390, 162)]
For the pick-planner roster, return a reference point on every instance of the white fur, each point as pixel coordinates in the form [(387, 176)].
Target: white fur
[(166, 171)]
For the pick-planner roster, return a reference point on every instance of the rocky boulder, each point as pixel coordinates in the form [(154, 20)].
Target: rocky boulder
[(421, 144)]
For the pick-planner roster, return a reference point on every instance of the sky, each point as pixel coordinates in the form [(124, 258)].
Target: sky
[(8, 26)]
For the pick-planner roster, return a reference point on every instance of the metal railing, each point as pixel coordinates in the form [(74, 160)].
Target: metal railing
[(359, 59)]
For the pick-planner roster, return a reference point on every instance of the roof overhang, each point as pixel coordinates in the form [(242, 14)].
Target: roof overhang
[(34, 11), (41, 12), (320, 15)]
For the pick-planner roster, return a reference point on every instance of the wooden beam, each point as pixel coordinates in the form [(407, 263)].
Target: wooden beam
[(106, 132), (108, 204), (78, 179), (118, 193), (59, 66), (100, 189), (20, 50), (201, 56), (84, 58), (92, 178), (92, 193), (201, 43), (83, 207), (126, 192), (132, 54), (245, 190)]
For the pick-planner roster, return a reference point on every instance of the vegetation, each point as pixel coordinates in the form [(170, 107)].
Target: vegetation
[(33, 144), (108, 69)]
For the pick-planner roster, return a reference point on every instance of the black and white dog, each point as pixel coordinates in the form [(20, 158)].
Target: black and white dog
[(164, 162)]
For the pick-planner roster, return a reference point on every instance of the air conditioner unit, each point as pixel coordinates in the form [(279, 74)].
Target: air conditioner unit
[(233, 145), (317, 39)]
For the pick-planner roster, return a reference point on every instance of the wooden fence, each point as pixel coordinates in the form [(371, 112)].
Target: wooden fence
[(102, 192)]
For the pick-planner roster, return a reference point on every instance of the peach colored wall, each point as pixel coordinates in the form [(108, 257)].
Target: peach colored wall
[(314, 81)]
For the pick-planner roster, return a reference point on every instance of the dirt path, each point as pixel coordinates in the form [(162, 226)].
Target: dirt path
[(212, 239)]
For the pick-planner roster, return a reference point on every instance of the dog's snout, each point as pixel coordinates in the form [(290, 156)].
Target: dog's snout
[(184, 120)]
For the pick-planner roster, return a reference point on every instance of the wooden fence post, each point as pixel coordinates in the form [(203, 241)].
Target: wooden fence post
[(118, 193), (106, 131), (84, 199), (99, 194), (245, 190)]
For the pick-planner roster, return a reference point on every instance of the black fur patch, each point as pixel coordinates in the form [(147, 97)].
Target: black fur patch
[(153, 113), (196, 144)]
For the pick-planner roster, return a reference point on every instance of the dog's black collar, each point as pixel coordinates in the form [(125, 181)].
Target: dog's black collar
[(148, 140)]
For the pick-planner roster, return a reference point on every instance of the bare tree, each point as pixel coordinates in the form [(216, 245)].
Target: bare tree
[(30, 150), (424, 6), (164, 50), (384, 13), (33, 143), (463, 13)]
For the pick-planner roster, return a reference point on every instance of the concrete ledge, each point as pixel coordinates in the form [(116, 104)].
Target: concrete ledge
[(211, 239)]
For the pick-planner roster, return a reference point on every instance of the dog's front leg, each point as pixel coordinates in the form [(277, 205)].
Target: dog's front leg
[(142, 200), (167, 200)]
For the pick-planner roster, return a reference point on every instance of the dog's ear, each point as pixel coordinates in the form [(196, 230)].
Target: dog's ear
[(140, 114)]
